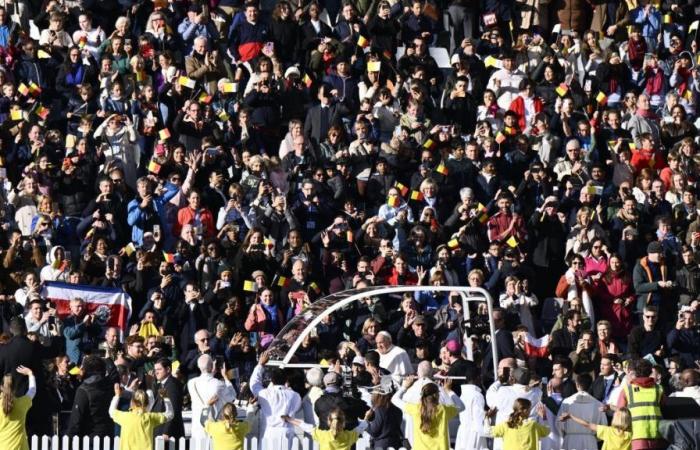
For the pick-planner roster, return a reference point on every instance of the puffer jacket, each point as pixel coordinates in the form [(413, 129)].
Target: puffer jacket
[(90, 416)]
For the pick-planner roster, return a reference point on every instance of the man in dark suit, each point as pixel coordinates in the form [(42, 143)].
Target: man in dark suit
[(192, 316), (20, 351), (173, 390), (322, 116), (605, 381), (504, 346)]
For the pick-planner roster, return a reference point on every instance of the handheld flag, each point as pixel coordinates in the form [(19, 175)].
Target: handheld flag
[(537, 348), (164, 134), (512, 242), (186, 82), (562, 89), (153, 167), (229, 88), (363, 42), (402, 188), (250, 286), (417, 196), (283, 282)]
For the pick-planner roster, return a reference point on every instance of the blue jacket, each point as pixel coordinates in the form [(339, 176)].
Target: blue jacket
[(143, 219), (80, 338)]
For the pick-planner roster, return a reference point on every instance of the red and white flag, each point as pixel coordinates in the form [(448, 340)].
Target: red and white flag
[(536, 347), (111, 307)]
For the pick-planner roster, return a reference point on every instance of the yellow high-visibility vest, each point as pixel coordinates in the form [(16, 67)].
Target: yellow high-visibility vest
[(644, 404)]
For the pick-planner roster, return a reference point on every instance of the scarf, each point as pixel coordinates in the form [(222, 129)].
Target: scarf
[(684, 75), (271, 312), (655, 82), (646, 113), (636, 51), (75, 75)]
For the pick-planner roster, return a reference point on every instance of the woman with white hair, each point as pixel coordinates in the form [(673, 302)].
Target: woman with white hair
[(314, 378), (209, 395)]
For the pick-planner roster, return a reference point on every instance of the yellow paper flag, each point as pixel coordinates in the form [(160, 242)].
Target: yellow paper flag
[(164, 134), (250, 286), (512, 242), (41, 54), (187, 82), (70, 141), (374, 66), (229, 87), (16, 114), (490, 61)]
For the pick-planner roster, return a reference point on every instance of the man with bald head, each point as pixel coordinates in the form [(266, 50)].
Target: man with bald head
[(690, 380), (206, 391)]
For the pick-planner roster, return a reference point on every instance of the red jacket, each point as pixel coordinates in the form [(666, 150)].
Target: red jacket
[(187, 215), (518, 106)]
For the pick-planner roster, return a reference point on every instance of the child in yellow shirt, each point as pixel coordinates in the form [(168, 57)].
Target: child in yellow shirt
[(617, 436), (229, 433), (519, 432), (430, 417), (137, 424), (13, 412), (336, 437)]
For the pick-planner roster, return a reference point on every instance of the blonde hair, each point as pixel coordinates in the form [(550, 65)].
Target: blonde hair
[(368, 323), (7, 395), (139, 400), (429, 402), (521, 411), (336, 425), (622, 420), (229, 415)]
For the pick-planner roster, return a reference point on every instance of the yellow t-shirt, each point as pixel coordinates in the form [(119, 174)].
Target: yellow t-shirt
[(325, 440), (224, 439), (137, 429), (440, 440), (613, 439), (526, 437), (12, 426)]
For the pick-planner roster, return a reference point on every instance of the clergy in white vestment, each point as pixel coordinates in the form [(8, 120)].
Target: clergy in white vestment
[(470, 434), (275, 400), (203, 389), (585, 406), (393, 358), (502, 396)]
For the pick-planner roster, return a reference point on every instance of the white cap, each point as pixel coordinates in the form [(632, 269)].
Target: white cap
[(293, 70)]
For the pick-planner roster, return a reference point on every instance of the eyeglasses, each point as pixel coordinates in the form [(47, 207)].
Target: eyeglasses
[(204, 339), (117, 180)]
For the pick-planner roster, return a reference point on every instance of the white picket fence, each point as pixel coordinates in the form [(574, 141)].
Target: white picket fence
[(86, 443)]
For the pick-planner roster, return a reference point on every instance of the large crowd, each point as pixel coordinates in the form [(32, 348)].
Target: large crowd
[(227, 164)]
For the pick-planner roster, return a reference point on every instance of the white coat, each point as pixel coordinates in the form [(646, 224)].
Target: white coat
[(275, 401), (582, 405), (470, 434), (201, 389), (503, 396)]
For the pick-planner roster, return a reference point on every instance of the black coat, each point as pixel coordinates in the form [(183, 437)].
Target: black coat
[(506, 349), (90, 416), (385, 427), (20, 351), (354, 409), (597, 389), (175, 427)]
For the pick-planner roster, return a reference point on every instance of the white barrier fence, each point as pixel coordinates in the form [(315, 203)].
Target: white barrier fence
[(96, 443)]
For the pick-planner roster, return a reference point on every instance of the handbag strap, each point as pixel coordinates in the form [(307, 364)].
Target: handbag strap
[(196, 391)]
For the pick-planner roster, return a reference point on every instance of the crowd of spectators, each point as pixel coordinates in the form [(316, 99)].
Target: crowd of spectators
[(226, 164)]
